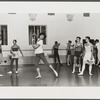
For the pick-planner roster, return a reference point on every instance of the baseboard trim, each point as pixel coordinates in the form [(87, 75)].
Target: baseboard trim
[(26, 65)]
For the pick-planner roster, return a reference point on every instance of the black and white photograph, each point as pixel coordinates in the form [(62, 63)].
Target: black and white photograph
[(50, 50)]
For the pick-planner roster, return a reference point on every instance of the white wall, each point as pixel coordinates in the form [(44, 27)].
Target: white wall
[(58, 28)]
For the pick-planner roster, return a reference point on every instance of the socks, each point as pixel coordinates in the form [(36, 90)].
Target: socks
[(38, 71)]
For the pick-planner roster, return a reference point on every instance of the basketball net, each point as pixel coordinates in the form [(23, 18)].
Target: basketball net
[(34, 36), (32, 17), (70, 17)]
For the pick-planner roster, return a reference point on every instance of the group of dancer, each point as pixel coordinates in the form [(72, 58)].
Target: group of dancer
[(39, 55), (82, 54), (77, 52), (38, 47)]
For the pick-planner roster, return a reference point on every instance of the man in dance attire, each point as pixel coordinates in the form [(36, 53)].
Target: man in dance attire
[(38, 47), (78, 53)]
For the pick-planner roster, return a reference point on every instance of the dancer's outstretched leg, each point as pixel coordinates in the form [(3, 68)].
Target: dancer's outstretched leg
[(37, 59), (50, 66)]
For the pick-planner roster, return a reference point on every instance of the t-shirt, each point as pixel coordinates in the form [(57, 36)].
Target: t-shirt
[(40, 48)]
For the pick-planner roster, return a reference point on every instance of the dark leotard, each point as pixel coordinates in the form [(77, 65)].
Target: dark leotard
[(78, 50)]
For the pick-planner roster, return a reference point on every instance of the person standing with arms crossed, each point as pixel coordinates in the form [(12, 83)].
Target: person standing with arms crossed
[(68, 60), (55, 52)]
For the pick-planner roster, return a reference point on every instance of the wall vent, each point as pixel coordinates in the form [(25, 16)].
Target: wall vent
[(51, 14), (12, 13), (86, 14)]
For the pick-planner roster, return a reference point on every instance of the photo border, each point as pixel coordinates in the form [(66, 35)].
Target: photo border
[(50, 1)]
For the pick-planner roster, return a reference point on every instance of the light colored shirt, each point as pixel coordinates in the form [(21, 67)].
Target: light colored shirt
[(40, 48)]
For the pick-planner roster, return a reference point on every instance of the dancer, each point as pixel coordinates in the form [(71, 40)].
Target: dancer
[(55, 52), (98, 51), (38, 47), (95, 52), (14, 51), (72, 54), (88, 56), (1, 55), (78, 54), (68, 52)]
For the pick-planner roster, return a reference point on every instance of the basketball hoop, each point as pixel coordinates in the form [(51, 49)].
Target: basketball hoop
[(32, 17), (70, 17)]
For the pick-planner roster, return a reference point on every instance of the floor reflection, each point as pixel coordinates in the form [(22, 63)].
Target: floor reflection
[(14, 80), (27, 74)]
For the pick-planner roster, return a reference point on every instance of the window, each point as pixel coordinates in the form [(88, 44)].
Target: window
[(36, 29), (3, 34), (86, 14)]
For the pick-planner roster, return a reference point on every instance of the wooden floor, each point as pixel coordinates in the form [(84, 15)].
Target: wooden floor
[(27, 74)]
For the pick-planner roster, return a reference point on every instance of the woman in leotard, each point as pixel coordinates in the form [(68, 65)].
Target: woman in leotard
[(78, 53), (88, 56), (14, 51)]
